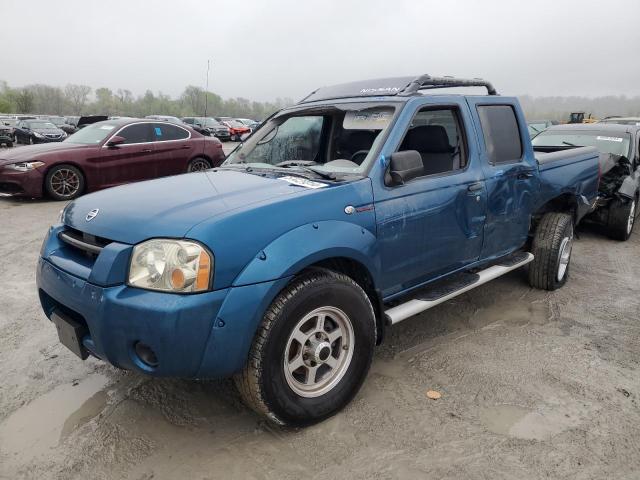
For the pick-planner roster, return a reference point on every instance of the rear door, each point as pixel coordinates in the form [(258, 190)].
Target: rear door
[(173, 148), (510, 172), (131, 161)]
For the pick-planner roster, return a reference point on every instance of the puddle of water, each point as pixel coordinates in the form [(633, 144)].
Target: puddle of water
[(521, 422), (40, 425)]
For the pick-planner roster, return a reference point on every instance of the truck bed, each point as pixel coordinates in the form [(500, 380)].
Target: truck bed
[(559, 155), (572, 171)]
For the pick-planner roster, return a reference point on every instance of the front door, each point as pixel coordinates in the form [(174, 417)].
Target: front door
[(433, 224), (130, 161)]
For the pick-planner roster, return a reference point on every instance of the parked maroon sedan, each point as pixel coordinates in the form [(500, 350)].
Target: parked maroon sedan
[(106, 154)]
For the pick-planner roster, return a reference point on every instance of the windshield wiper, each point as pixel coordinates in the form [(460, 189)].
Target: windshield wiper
[(570, 144), (306, 166)]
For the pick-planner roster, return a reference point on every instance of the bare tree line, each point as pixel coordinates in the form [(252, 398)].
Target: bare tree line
[(82, 99)]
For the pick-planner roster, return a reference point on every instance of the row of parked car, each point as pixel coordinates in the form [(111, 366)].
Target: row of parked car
[(357, 208), (31, 129)]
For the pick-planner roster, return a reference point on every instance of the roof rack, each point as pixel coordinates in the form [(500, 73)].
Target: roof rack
[(400, 86), (424, 82)]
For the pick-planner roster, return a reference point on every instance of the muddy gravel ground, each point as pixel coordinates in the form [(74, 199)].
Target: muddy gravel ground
[(534, 385)]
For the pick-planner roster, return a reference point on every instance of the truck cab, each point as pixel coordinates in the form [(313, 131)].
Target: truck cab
[(357, 208)]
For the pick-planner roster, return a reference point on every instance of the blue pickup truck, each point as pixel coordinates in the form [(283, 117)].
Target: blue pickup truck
[(362, 205)]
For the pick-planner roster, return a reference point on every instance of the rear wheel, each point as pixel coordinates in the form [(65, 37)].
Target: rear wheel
[(551, 249), (30, 140), (64, 182), (198, 164), (312, 351), (622, 216)]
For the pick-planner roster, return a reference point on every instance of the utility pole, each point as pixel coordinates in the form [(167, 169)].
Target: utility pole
[(206, 91)]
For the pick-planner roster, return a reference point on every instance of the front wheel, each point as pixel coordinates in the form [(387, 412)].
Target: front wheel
[(622, 216), (64, 182), (312, 351), (551, 249), (198, 164)]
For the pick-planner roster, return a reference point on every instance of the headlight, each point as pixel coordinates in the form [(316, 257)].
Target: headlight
[(24, 166), (171, 266), (39, 135)]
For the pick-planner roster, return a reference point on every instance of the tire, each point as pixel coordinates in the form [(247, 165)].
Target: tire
[(551, 249), (198, 164), (622, 216), (64, 182), (31, 142), (269, 382)]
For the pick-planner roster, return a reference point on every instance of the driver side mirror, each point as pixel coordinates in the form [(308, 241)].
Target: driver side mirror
[(405, 166), (115, 141)]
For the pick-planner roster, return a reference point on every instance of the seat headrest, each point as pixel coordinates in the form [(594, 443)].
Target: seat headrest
[(427, 139)]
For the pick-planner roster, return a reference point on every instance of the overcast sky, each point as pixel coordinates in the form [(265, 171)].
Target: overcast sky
[(267, 49)]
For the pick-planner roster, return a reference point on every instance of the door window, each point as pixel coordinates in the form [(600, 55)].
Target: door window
[(501, 133), (436, 134), (165, 131), (137, 133)]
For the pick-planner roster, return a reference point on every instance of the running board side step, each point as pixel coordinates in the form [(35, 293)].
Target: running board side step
[(457, 285)]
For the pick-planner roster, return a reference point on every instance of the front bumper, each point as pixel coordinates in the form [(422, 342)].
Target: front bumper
[(22, 184), (200, 335), (47, 139), (6, 139)]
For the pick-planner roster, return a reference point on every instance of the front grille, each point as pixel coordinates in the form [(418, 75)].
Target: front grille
[(88, 244)]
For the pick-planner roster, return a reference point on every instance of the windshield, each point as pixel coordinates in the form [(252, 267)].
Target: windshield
[(92, 134), (605, 142), (210, 122), (330, 139), (57, 120), (234, 123), (41, 125)]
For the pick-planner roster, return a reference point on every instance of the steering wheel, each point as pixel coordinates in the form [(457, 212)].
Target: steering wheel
[(355, 158)]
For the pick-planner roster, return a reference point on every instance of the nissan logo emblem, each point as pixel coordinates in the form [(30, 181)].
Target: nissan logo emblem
[(92, 214)]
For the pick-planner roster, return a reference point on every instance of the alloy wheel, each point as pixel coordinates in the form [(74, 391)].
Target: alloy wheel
[(318, 352), (198, 165), (564, 257), (65, 182), (632, 217)]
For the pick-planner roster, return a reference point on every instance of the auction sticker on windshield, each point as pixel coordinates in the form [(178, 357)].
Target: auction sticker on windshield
[(610, 139), (370, 119)]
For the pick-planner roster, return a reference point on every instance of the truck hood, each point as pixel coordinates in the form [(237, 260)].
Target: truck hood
[(36, 152), (170, 207)]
